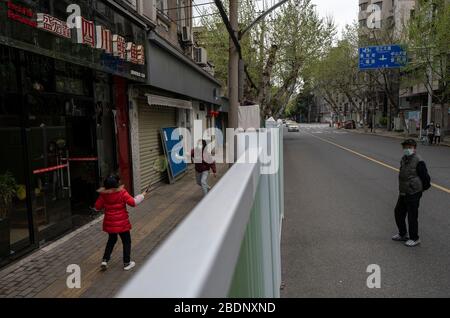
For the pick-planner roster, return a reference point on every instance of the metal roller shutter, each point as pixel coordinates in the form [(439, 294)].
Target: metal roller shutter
[(151, 120)]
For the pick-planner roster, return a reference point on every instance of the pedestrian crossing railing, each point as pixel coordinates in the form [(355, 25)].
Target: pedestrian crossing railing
[(229, 245)]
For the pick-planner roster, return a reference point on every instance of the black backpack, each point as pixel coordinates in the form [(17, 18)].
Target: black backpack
[(426, 182)]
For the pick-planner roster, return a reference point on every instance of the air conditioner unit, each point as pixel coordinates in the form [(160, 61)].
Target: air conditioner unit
[(186, 35), (200, 56)]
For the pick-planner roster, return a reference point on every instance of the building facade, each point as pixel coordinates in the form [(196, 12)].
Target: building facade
[(85, 88), (412, 94), (178, 91), (64, 77)]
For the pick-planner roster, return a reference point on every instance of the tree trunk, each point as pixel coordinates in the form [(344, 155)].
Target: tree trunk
[(264, 85)]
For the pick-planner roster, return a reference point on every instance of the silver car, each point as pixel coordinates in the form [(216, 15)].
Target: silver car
[(293, 127)]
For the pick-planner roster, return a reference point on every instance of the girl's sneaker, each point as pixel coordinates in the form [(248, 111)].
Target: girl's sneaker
[(129, 266), (104, 266)]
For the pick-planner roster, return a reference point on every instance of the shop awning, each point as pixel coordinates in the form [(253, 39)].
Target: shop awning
[(156, 100)]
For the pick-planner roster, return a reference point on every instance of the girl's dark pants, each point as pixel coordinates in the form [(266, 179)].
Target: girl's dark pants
[(126, 242)]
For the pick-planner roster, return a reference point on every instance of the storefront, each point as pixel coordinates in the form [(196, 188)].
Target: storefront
[(63, 114), (177, 93)]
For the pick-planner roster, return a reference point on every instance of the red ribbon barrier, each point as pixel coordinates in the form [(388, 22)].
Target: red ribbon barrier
[(82, 159), (49, 169)]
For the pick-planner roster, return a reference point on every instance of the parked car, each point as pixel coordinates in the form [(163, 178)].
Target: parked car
[(350, 124), (293, 127)]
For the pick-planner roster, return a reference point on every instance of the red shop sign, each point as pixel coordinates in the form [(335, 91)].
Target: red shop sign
[(21, 14), (53, 25)]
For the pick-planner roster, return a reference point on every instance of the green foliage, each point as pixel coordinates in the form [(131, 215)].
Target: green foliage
[(428, 44), (8, 187), (294, 34)]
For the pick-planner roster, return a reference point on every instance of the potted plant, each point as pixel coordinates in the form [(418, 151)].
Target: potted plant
[(8, 188)]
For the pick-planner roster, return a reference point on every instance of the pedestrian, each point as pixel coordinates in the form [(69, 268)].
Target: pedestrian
[(113, 200), (437, 134), (203, 164), (413, 180), (430, 132)]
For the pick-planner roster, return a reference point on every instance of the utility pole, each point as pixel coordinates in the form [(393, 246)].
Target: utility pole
[(430, 74), (430, 91), (233, 67), (235, 54)]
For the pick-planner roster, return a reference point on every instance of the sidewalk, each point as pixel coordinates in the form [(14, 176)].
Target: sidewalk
[(391, 134), (43, 273)]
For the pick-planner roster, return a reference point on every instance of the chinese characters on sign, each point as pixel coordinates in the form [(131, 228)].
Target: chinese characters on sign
[(20, 14), (51, 24), (132, 53), (85, 32), (376, 57), (140, 54), (119, 46), (104, 39)]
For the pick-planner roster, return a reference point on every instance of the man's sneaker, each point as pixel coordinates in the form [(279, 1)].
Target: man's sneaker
[(399, 238), (412, 243), (104, 266), (129, 266)]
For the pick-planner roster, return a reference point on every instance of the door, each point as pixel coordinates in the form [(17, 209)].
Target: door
[(47, 144), (151, 155), (15, 216)]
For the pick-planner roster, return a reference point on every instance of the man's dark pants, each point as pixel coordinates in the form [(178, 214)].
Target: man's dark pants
[(408, 206)]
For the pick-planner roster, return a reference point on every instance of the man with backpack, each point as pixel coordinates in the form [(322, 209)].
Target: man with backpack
[(413, 180)]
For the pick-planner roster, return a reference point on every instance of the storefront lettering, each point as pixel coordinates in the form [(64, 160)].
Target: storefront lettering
[(101, 38), (85, 32), (140, 55), (53, 25), (119, 46), (104, 39), (20, 14), (132, 53)]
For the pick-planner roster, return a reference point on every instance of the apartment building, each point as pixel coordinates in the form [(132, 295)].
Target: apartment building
[(178, 91)]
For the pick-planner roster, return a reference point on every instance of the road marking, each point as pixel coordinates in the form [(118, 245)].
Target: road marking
[(444, 189)]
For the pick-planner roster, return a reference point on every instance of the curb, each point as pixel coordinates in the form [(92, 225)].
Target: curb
[(388, 136)]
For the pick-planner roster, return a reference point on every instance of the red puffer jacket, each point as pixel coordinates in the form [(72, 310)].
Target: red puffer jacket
[(114, 202)]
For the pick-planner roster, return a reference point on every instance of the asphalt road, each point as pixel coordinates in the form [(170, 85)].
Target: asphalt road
[(339, 218)]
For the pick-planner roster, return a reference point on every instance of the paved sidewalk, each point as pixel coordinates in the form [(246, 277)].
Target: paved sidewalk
[(43, 273), (391, 134)]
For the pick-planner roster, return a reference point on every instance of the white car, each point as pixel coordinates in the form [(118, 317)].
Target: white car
[(293, 127)]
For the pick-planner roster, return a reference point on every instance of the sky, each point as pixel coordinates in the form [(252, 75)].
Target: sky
[(343, 11)]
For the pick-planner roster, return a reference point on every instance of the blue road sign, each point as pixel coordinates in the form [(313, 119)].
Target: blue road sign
[(384, 56)]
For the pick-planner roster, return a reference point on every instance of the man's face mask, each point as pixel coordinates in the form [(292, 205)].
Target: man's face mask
[(409, 151)]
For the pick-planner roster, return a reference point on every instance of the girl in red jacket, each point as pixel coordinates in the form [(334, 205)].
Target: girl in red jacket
[(113, 200)]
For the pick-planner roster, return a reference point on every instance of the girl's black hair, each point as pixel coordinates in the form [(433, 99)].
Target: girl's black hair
[(111, 182)]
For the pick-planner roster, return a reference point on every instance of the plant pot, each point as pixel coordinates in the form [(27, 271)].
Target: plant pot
[(4, 238)]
